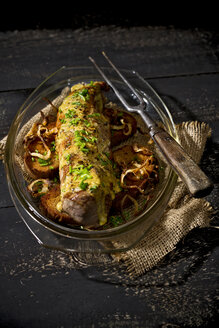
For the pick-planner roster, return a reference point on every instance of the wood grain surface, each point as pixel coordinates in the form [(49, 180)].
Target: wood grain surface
[(42, 288)]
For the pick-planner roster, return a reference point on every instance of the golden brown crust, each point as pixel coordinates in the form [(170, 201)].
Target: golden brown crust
[(123, 125), (35, 166), (48, 203), (128, 158)]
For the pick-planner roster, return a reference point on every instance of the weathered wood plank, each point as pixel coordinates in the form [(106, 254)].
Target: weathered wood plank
[(27, 57), (10, 103), (5, 198), (77, 15), (43, 288), (188, 98), (192, 98)]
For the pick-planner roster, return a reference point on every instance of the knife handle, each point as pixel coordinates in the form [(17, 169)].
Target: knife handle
[(198, 184)]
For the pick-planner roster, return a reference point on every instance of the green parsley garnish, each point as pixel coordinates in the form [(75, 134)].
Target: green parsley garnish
[(70, 169), (67, 157), (87, 123), (94, 115), (84, 94), (115, 220), (75, 121), (70, 114), (53, 146), (44, 162), (83, 185), (93, 188), (82, 137), (83, 173), (80, 141)]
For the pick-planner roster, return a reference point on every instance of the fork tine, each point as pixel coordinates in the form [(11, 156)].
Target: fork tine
[(122, 77), (123, 101), (118, 94)]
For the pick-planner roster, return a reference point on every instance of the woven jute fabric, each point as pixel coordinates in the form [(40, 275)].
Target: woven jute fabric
[(182, 214)]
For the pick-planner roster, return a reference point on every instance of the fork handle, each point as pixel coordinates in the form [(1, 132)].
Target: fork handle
[(195, 179)]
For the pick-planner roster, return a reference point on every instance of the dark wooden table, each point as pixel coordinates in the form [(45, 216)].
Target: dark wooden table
[(39, 287)]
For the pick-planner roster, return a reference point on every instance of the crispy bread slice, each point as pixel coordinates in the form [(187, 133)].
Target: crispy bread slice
[(48, 204), (138, 169), (36, 148), (122, 124)]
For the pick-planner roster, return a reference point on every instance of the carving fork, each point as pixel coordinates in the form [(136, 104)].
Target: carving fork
[(194, 178)]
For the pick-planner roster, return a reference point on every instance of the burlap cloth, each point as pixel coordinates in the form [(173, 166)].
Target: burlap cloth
[(183, 213)]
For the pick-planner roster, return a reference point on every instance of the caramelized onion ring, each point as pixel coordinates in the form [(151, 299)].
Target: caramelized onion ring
[(122, 127), (48, 151), (45, 187), (133, 200)]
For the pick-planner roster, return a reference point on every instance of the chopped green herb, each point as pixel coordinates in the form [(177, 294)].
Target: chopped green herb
[(93, 188), (104, 163), (44, 162), (87, 123), (75, 121), (92, 139), (83, 185), (82, 171), (107, 154), (70, 169), (53, 146), (84, 93), (85, 132), (94, 115), (115, 220), (67, 157), (80, 141), (70, 114)]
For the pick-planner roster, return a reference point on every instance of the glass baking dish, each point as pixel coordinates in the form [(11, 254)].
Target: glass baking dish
[(65, 238)]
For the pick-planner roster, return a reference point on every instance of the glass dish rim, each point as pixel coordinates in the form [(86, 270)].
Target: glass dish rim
[(48, 223)]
